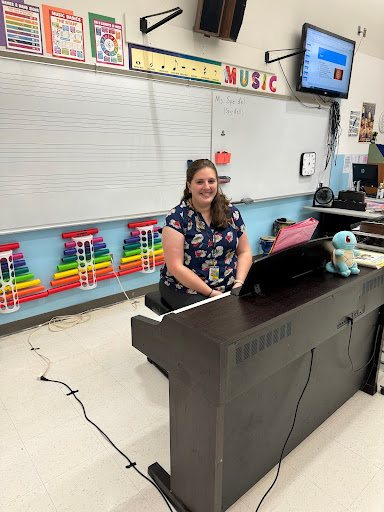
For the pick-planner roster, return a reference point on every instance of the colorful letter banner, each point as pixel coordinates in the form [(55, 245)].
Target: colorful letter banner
[(22, 27), (109, 42), (161, 62), (67, 36), (241, 78)]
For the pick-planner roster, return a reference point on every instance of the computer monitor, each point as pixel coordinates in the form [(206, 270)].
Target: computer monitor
[(366, 175), (326, 63)]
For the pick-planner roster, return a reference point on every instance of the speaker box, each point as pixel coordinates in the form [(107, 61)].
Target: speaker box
[(220, 18)]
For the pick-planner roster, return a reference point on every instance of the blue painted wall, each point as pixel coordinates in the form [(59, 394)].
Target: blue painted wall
[(43, 251), (338, 181)]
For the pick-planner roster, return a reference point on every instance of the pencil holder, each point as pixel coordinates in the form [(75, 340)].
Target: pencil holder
[(222, 158)]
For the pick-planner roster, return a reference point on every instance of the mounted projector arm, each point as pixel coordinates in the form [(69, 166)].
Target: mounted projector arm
[(268, 61), (144, 25)]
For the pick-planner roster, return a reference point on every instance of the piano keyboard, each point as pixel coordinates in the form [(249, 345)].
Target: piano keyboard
[(185, 308)]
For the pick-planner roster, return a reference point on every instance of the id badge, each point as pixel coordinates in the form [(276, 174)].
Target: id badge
[(213, 273)]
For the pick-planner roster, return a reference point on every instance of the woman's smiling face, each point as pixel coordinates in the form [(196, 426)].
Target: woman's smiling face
[(203, 187)]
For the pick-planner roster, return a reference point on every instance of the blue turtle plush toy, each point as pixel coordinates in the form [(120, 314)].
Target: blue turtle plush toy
[(343, 256)]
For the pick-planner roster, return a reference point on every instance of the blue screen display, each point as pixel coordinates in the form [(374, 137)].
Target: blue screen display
[(327, 63)]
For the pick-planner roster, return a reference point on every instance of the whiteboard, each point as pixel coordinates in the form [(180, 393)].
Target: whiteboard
[(76, 145), (266, 137)]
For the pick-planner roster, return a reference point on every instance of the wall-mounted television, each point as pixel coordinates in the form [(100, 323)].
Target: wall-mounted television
[(326, 63)]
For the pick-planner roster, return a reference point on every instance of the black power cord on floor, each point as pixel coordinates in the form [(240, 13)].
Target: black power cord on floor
[(131, 464), (290, 432), (349, 347)]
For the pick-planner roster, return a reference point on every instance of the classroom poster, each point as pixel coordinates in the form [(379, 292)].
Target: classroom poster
[(47, 24), (109, 42), (366, 122), (161, 62), (3, 39), (67, 36), (353, 127), (92, 16), (22, 27)]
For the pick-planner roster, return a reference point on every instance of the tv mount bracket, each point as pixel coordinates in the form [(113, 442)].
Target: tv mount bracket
[(144, 25), (268, 60)]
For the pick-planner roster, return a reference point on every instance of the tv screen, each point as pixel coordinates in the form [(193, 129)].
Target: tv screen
[(326, 63)]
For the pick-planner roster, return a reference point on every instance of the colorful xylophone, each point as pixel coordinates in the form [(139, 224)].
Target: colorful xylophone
[(67, 276), (132, 259), (28, 288)]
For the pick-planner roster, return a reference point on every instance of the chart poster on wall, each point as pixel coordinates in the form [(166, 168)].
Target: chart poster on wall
[(109, 42), (22, 27), (3, 39), (241, 78), (93, 16), (366, 123), (161, 62), (47, 24), (353, 127), (67, 36)]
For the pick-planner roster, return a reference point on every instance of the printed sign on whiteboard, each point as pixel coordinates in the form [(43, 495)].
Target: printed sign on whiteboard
[(67, 36), (109, 42)]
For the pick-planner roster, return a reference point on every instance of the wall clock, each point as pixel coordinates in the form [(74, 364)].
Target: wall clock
[(381, 123), (307, 164)]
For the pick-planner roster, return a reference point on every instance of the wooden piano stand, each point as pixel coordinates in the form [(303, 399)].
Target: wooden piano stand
[(237, 367)]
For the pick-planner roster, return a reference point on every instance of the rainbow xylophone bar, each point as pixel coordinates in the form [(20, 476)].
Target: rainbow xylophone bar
[(83, 232)]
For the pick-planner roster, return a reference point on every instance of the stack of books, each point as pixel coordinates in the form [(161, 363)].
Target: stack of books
[(370, 259)]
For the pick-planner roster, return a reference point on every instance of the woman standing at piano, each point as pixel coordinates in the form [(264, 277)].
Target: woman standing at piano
[(206, 248)]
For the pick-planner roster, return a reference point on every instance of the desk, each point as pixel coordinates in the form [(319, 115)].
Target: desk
[(344, 218)]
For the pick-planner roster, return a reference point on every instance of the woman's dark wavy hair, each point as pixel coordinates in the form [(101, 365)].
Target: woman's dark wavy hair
[(220, 211)]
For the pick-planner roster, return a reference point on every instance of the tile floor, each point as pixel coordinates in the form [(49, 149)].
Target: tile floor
[(52, 460)]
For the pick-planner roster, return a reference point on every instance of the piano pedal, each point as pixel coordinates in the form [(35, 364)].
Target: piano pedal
[(160, 368)]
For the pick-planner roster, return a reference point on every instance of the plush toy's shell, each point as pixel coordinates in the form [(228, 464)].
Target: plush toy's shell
[(347, 257)]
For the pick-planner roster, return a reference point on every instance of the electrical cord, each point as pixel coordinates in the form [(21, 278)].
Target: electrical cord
[(293, 93), (130, 463), (60, 323), (349, 354), (290, 432), (333, 135), (133, 304), (359, 45)]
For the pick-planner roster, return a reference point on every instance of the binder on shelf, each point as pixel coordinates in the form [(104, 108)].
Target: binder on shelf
[(294, 235)]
